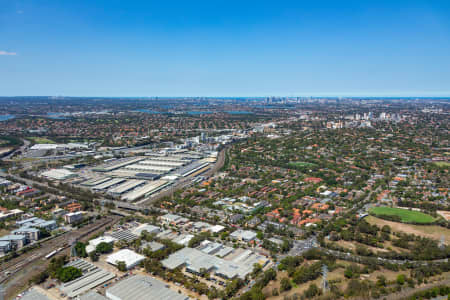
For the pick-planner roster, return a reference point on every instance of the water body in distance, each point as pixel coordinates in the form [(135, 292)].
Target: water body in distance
[(6, 117), (239, 112), (192, 112), (57, 116), (147, 111)]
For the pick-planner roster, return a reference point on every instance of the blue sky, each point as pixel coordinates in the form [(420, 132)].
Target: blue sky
[(225, 48)]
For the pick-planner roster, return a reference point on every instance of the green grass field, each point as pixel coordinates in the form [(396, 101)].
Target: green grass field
[(442, 164), (407, 216), (302, 164), (41, 140)]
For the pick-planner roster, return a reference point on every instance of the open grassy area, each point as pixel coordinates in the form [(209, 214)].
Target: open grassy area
[(41, 140), (407, 216), (442, 164), (301, 164), (430, 231)]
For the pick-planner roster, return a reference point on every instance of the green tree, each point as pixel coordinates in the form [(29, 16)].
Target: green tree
[(285, 284), (401, 279), (94, 256), (257, 268), (260, 235), (44, 233), (312, 291), (80, 249), (121, 266), (104, 247), (70, 273), (381, 280), (55, 265), (352, 271)]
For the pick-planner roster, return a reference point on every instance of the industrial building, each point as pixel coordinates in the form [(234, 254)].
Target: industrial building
[(145, 190), (183, 239), (92, 296), (173, 219), (130, 258), (139, 287), (92, 276), (125, 187), (195, 260), (243, 235), (117, 163), (153, 246), (146, 227), (124, 235), (133, 178), (192, 168), (95, 181), (149, 168), (108, 184), (34, 294), (164, 163), (58, 174), (95, 242)]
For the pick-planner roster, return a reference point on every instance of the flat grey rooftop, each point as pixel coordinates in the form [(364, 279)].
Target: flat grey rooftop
[(92, 296), (33, 294), (142, 287), (92, 276)]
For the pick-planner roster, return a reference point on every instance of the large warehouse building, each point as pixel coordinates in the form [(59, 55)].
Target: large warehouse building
[(140, 287), (145, 190), (195, 260), (130, 258), (137, 177), (92, 276), (58, 174)]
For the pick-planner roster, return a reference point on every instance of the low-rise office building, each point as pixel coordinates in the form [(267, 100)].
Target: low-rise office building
[(74, 217), (17, 241)]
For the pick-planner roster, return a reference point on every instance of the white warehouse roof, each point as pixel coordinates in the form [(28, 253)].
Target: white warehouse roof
[(126, 186), (58, 174), (147, 227), (102, 239), (150, 187), (130, 258)]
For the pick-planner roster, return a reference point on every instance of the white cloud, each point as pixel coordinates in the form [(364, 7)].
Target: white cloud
[(7, 53)]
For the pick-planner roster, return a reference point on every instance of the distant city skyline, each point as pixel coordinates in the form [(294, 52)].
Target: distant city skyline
[(105, 48)]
